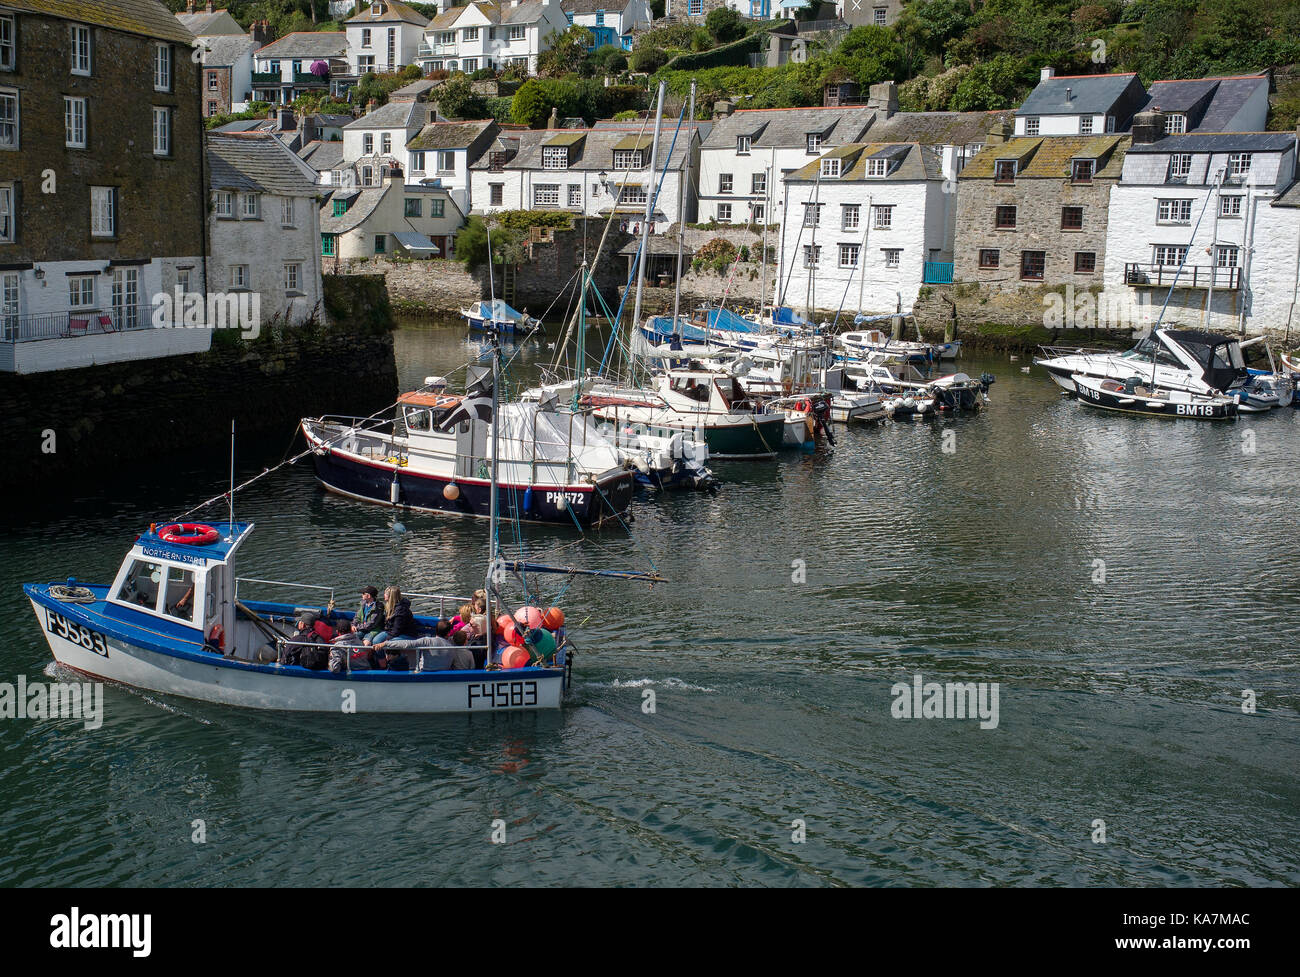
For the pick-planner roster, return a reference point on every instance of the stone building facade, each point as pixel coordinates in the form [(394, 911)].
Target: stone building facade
[(102, 186), (1034, 211)]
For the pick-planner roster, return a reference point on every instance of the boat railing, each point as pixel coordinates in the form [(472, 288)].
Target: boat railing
[(283, 583), (443, 601), (1052, 352)]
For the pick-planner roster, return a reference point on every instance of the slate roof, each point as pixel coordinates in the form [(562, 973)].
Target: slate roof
[(322, 156), (223, 50), (391, 12), (306, 44), (1289, 197), (787, 128), (256, 162), (1049, 157), (242, 125), (146, 17), (446, 19), (450, 135), (393, 115), (937, 128), (1221, 142), (910, 162), (414, 90), (364, 204), (593, 154), (201, 23), (1089, 95), (591, 6), (1209, 103)]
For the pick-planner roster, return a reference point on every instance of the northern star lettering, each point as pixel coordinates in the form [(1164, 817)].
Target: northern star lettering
[(104, 930)]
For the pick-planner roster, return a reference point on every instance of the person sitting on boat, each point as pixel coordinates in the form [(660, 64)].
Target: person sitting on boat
[(461, 620), (368, 620), (304, 647), (462, 658), (395, 660), (399, 622), (310, 628), (475, 639)]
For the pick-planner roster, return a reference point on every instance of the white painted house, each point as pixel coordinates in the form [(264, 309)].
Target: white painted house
[(491, 35), (1216, 217), (441, 153), (264, 226), (860, 223), (384, 37), (1080, 105), (588, 171), (282, 70), (390, 219), (747, 153), (375, 144), (610, 21)]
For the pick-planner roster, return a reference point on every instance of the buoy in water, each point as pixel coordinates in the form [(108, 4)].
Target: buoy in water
[(451, 492)]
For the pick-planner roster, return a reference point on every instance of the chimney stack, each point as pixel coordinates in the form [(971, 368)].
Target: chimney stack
[(883, 97), (1046, 74), (1148, 126), (999, 134), (554, 121), (287, 121), (722, 108)]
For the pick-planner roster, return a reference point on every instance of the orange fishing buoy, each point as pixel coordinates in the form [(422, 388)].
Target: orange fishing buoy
[(553, 619), (504, 622), (514, 657), (451, 492), (512, 635), (531, 616)]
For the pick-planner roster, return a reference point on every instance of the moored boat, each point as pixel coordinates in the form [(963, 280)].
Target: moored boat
[(1135, 395)]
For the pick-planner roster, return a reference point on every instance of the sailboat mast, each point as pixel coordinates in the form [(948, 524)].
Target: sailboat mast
[(649, 209), (580, 360), (681, 212), (493, 516)]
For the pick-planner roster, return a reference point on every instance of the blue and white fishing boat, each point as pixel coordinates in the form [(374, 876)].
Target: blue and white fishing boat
[(497, 314)]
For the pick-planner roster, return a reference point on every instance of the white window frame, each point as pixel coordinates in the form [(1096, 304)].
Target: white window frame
[(386, 144), (877, 167), (1174, 210), (813, 143), (1227, 256), (627, 159), (555, 157), (518, 33), (11, 303), (1239, 164), (103, 212), (1033, 125), (724, 213), (292, 278), (286, 212), (543, 194), (239, 278), (758, 184), (470, 34), (446, 161), (367, 144), (743, 144), (417, 161), (79, 33), (469, 65), (1085, 125), (850, 217), (79, 297), (725, 183), (880, 16), (812, 255), (1230, 206), (575, 195), (1178, 252), (10, 96), (1180, 165), (162, 131), (758, 213), (1175, 124), (8, 42), (831, 167), (882, 217), (365, 37), (74, 122), (224, 205), (250, 206), (812, 214), (892, 257), (633, 194), (125, 296), (162, 68), (849, 254), (8, 219)]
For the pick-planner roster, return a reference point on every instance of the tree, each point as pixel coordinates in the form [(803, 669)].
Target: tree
[(868, 55), (456, 100), (648, 60), (725, 25), (568, 52), (532, 104)]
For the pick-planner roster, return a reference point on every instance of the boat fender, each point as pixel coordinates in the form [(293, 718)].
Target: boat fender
[(528, 500), (394, 490), (217, 637), (451, 492)]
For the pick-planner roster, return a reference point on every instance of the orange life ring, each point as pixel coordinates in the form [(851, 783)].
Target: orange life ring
[(803, 405), (189, 534)]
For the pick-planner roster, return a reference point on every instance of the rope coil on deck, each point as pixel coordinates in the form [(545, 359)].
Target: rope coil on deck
[(72, 594)]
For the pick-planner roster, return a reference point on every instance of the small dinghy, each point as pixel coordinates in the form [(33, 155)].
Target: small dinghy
[(497, 315), (1136, 396)]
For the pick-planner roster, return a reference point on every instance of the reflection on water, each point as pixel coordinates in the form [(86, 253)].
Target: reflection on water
[(1123, 580)]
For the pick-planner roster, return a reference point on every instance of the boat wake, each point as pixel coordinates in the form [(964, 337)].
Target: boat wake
[(667, 683)]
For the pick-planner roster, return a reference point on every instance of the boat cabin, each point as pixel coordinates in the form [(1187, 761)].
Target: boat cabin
[(699, 390), (180, 587)]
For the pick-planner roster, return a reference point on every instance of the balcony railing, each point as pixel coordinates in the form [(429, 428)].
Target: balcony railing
[(811, 26), (306, 78), (266, 78), (1191, 276), (72, 325), (937, 273)]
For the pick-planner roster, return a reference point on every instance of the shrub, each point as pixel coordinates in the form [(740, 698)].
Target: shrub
[(725, 25), (648, 60)]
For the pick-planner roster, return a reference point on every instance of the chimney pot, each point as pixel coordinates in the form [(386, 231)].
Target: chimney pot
[(189, 7)]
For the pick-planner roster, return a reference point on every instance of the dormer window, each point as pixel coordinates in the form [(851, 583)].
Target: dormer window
[(1031, 125), (814, 143), (1180, 164), (831, 167), (1081, 170), (742, 145), (1004, 171), (1175, 124), (877, 167), (555, 158), (1238, 164), (628, 159)]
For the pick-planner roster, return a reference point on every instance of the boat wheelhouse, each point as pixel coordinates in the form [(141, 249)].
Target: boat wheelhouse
[(555, 466), (174, 621)]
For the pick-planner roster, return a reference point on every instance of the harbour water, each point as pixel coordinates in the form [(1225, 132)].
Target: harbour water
[(1123, 581)]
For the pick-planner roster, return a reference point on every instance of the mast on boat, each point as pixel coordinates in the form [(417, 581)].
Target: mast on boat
[(681, 212), (493, 339), (649, 210)]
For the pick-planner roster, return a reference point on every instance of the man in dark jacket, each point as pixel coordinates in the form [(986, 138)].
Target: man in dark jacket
[(368, 620)]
